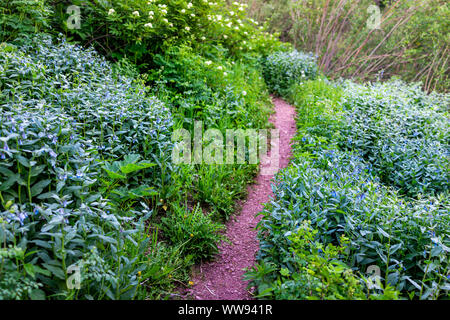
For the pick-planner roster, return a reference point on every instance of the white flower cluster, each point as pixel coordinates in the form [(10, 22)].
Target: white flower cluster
[(163, 8), (240, 6)]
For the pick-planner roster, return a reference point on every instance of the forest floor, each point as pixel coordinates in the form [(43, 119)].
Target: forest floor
[(222, 279)]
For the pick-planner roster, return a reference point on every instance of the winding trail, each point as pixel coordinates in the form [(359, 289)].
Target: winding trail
[(222, 279)]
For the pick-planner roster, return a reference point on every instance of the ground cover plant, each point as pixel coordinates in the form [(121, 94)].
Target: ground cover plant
[(89, 194), (367, 189), (93, 207), (65, 121)]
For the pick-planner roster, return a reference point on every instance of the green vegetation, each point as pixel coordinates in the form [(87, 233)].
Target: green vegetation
[(86, 177), (92, 206), (409, 41), (367, 188)]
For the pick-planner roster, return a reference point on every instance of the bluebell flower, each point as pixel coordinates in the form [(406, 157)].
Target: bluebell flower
[(53, 154), (361, 196), (22, 216)]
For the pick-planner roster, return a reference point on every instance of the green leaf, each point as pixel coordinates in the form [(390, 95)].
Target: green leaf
[(56, 271), (114, 175), (39, 187), (29, 268), (37, 294)]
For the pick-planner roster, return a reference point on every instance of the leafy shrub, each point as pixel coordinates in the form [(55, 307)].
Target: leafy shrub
[(14, 283), (283, 69), (110, 113), (341, 194), (223, 94), (22, 17), (317, 272), (197, 234), (64, 115), (402, 131), (138, 29)]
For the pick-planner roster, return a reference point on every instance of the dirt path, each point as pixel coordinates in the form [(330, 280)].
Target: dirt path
[(222, 278)]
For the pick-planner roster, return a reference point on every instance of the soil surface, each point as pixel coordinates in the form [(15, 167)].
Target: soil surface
[(222, 279)]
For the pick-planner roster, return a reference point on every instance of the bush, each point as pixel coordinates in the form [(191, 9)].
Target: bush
[(65, 116), (194, 231), (402, 131), (315, 272), (341, 194), (138, 29), (283, 69), (19, 18)]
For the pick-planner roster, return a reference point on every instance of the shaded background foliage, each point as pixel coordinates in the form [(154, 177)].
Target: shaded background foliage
[(412, 42)]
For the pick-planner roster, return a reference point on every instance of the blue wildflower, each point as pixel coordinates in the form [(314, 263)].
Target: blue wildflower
[(22, 216)]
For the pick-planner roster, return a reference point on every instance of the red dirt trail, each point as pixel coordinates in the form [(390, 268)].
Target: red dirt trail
[(222, 279)]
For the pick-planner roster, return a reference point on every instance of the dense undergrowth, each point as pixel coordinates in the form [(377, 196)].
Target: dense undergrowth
[(367, 191), (367, 40), (92, 206)]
